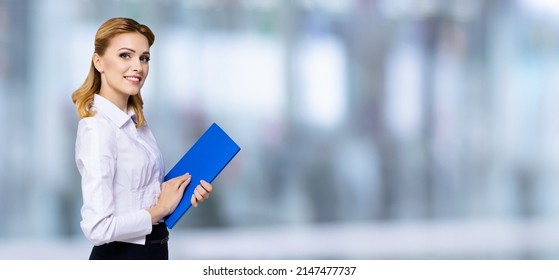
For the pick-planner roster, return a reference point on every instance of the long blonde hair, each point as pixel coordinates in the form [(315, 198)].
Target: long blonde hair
[(83, 96)]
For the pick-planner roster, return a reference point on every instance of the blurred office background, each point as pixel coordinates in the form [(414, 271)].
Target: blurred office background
[(370, 129)]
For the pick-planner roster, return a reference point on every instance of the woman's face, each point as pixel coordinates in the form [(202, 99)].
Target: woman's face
[(124, 66)]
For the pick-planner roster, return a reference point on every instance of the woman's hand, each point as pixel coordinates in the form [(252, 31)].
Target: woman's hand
[(201, 193), (169, 198)]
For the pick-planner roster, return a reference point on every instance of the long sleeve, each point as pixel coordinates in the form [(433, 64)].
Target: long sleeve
[(96, 159)]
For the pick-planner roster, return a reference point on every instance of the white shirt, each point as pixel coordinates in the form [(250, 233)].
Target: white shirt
[(122, 170)]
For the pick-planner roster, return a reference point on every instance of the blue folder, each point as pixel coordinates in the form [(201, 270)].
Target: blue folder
[(204, 161)]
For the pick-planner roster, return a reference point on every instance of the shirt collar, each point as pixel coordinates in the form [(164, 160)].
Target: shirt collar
[(106, 107)]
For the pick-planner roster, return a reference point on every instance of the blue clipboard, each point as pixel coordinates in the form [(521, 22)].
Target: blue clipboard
[(204, 161)]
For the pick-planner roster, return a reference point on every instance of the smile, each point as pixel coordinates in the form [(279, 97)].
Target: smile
[(133, 79)]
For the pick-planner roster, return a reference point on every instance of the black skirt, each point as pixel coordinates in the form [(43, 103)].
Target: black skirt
[(155, 248)]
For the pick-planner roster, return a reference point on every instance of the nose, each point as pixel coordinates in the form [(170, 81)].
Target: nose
[(135, 65)]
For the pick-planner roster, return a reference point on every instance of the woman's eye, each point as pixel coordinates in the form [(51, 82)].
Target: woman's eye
[(145, 59), (124, 55)]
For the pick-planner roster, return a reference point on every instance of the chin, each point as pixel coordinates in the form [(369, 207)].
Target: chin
[(132, 92)]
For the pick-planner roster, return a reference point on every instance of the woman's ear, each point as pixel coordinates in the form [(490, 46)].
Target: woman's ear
[(97, 62)]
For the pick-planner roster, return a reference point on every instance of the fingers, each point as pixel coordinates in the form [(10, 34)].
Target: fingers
[(183, 184), (194, 200), (201, 193), (180, 181), (207, 186), (183, 178), (172, 192), (197, 196), (176, 186)]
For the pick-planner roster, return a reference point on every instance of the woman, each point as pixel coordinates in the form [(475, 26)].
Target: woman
[(124, 198)]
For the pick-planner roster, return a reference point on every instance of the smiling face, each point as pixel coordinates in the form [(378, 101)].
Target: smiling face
[(124, 67)]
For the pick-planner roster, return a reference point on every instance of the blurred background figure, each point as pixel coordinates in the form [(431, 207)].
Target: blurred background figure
[(369, 129)]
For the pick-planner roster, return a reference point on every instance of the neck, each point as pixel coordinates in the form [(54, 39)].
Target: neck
[(120, 100)]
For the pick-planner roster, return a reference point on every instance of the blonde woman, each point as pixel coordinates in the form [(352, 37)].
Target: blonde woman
[(125, 199)]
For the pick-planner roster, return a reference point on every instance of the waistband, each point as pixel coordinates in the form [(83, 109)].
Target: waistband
[(157, 241), (159, 234)]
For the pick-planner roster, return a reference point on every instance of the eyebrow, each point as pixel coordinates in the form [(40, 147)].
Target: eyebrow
[(129, 49)]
